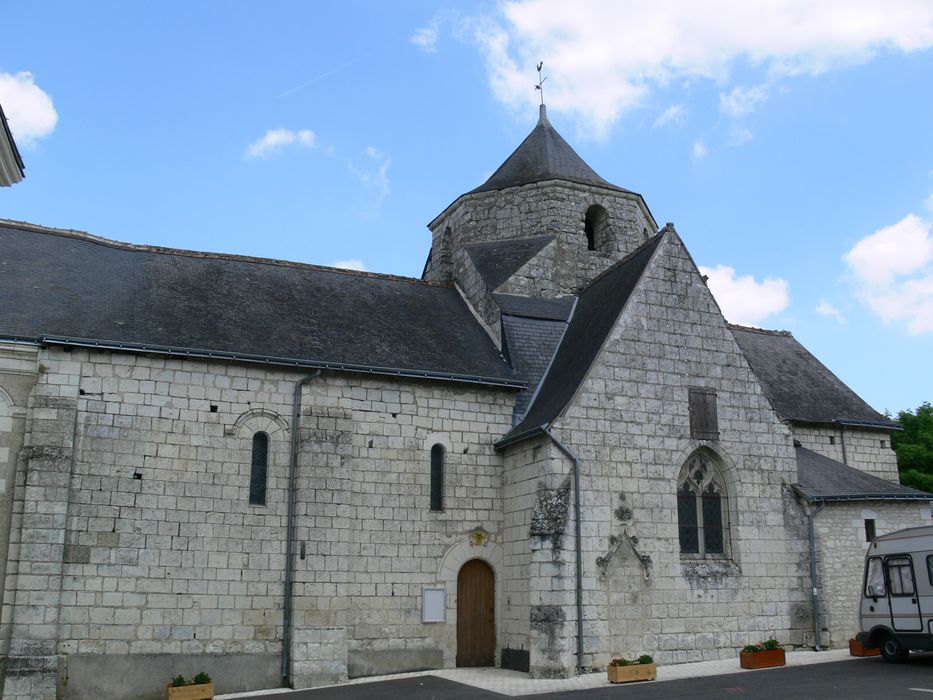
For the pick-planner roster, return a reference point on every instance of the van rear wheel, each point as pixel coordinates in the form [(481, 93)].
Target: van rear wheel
[(892, 650)]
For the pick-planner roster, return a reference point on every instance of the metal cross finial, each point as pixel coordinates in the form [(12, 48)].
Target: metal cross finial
[(540, 85)]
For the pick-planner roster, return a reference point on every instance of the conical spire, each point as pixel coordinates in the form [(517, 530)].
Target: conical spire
[(543, 155)]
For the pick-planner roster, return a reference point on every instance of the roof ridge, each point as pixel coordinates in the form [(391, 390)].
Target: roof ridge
[(623, 261), (207, 255), (762, 331)]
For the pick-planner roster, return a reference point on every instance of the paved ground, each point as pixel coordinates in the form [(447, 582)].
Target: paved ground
[(808, 674)]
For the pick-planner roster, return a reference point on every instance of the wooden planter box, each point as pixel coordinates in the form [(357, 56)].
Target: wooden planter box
[(856, 648), (762, 659), (634, 672), (202, 691)]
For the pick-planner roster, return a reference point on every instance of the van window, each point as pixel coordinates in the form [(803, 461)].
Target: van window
[(900, 576), (874, 579)]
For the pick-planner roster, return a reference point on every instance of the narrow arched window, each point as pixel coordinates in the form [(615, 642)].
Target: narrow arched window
[(259, 470), (437, 477), (702, 508), (596, 227)]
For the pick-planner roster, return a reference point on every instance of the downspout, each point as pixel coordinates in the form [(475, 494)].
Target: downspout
[(845, 459), (290, 527), (815, 590), (579, 542)]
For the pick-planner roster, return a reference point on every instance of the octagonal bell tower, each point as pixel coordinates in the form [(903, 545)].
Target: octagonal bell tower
[(543, 225)]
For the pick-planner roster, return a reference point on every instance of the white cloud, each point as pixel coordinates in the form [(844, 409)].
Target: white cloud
[(824, 308), (893, 273), (376, 177), (739, 136), (892, 251), (743, 299), (276, 139), (28, 108), (675, 114), (351, 264), (699, 149), (425, 38), (604, 58), (742, 101)]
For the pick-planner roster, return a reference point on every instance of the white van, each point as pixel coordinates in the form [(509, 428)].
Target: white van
[(896, 611)]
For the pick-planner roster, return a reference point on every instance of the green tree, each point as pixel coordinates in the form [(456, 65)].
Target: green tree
[(914, 447)]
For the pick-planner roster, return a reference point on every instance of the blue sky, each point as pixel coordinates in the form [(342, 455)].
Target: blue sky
[(791, 145)]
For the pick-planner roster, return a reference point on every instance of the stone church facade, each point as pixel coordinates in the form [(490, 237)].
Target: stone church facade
[(550, 450)]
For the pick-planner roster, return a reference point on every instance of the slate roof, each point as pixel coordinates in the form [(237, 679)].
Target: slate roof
[(594, 317), (820, 478), (557, 309), (799, 386), (499, 260), (543, 155), (529, 344), (12, 169), (71, 286)]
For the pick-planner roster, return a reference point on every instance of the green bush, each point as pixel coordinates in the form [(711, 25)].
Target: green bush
[(201, 678), (643, 659)]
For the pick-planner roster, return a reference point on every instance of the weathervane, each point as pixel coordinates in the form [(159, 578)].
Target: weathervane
[(540, 85)]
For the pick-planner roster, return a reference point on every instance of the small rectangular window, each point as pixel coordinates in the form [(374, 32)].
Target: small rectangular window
[(869, 529), (832, 440), (884, 443), (704, 420)]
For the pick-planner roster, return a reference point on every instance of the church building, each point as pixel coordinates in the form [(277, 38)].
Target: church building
[(550, 450)]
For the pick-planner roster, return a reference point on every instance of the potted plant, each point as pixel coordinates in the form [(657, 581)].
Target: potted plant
[(626, 670), (856, 648), (201, 687), (768, 654)]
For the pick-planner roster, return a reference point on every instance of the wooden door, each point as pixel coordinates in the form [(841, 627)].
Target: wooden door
[(476, 615)]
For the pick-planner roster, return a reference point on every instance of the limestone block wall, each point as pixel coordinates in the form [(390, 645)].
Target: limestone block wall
[(142, 525), (545, 208), (867, 449), (840, 532), (18, 369), (478, 295), (629, 425)]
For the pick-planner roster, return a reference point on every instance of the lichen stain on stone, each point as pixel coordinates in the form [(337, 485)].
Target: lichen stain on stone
[(795, 518), (550, 512), (709, 574), (549, 620)]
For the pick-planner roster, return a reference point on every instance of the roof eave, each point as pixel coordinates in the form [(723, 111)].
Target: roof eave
[(520, 437), (201, 353), (473, 194)]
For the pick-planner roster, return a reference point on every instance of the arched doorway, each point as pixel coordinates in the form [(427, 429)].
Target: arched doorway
[(476, 615)]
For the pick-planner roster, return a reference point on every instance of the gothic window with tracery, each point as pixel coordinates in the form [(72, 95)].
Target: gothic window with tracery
[(702, 512)]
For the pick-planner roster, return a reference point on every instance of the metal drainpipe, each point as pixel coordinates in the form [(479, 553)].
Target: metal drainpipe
[(579, 542), (290, 527), (845, 459), (814, 590)]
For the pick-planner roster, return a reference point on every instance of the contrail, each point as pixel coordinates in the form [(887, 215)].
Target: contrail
[(321, 76)]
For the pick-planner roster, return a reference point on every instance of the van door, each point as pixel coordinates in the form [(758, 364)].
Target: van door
[(902, 593)]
